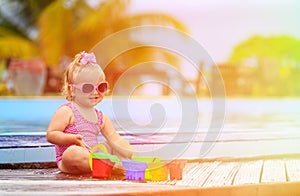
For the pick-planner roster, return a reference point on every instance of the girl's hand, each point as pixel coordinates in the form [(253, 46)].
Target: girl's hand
[(78, 140)]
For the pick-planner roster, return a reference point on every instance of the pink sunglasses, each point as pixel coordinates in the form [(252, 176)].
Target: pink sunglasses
[(102, 87)]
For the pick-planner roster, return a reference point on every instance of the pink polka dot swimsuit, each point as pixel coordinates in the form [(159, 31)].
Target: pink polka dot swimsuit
[(89, 130)]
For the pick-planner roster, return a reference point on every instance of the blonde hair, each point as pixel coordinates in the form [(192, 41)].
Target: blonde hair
[(71, 73)]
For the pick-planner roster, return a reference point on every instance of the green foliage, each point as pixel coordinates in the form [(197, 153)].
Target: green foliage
[(281, 47), (54, 29), (275, 64), (58, 29), (18, 27)]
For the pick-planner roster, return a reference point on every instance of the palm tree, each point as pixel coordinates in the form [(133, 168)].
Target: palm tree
[(64, 28), (273, 61), (18, 27)]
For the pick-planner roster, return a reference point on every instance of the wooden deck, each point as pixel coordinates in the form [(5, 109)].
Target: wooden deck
[(257, 176), (214, 174)]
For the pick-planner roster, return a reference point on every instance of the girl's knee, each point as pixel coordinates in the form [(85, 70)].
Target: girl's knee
[(75, 154), (76, 159)]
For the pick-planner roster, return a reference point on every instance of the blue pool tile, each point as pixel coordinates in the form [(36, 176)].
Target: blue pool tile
[(15, 155), (27, 155), (39, 154)]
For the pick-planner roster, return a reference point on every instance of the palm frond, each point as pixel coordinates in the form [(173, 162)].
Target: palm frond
[(98, 24), (153, 18), (8, 32), (55, 25), (17, 47)]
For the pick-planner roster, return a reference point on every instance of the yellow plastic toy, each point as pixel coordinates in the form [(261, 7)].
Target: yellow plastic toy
[(103, 149), (148, 160)]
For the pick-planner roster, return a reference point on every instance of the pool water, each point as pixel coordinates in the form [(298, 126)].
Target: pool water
[(249, 127)]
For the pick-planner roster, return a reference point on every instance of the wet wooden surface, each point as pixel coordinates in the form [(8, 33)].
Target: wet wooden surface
[(264, 176)]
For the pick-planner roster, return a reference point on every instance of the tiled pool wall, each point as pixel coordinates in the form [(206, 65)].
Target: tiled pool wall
[(276, 120), (17, 115), (36, 109), (27, 155)]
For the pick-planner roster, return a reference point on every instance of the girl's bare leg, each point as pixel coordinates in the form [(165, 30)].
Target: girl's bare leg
[(75, 160)]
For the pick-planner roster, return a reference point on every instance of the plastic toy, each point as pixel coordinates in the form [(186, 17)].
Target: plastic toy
[(101, 163), (176, 169), (135, 170), (158, 171), (147, 159)]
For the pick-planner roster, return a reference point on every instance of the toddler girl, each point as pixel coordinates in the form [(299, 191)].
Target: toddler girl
[(75, 125)]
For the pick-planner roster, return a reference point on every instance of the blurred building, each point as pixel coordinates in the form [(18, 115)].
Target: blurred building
[(238, 79)]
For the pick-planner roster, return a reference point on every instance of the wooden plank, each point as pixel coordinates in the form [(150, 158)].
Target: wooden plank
[(222, 175), (249, 173), (197, 175), (79, 187), (293, 169), (273, 171)]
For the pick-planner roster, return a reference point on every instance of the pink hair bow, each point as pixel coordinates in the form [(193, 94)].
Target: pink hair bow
[(87, 58)]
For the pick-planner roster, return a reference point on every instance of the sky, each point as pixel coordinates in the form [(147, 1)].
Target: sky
[(219, 25)]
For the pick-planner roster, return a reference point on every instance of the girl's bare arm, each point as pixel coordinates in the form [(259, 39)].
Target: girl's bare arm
[(114, 139), (60, 120)]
